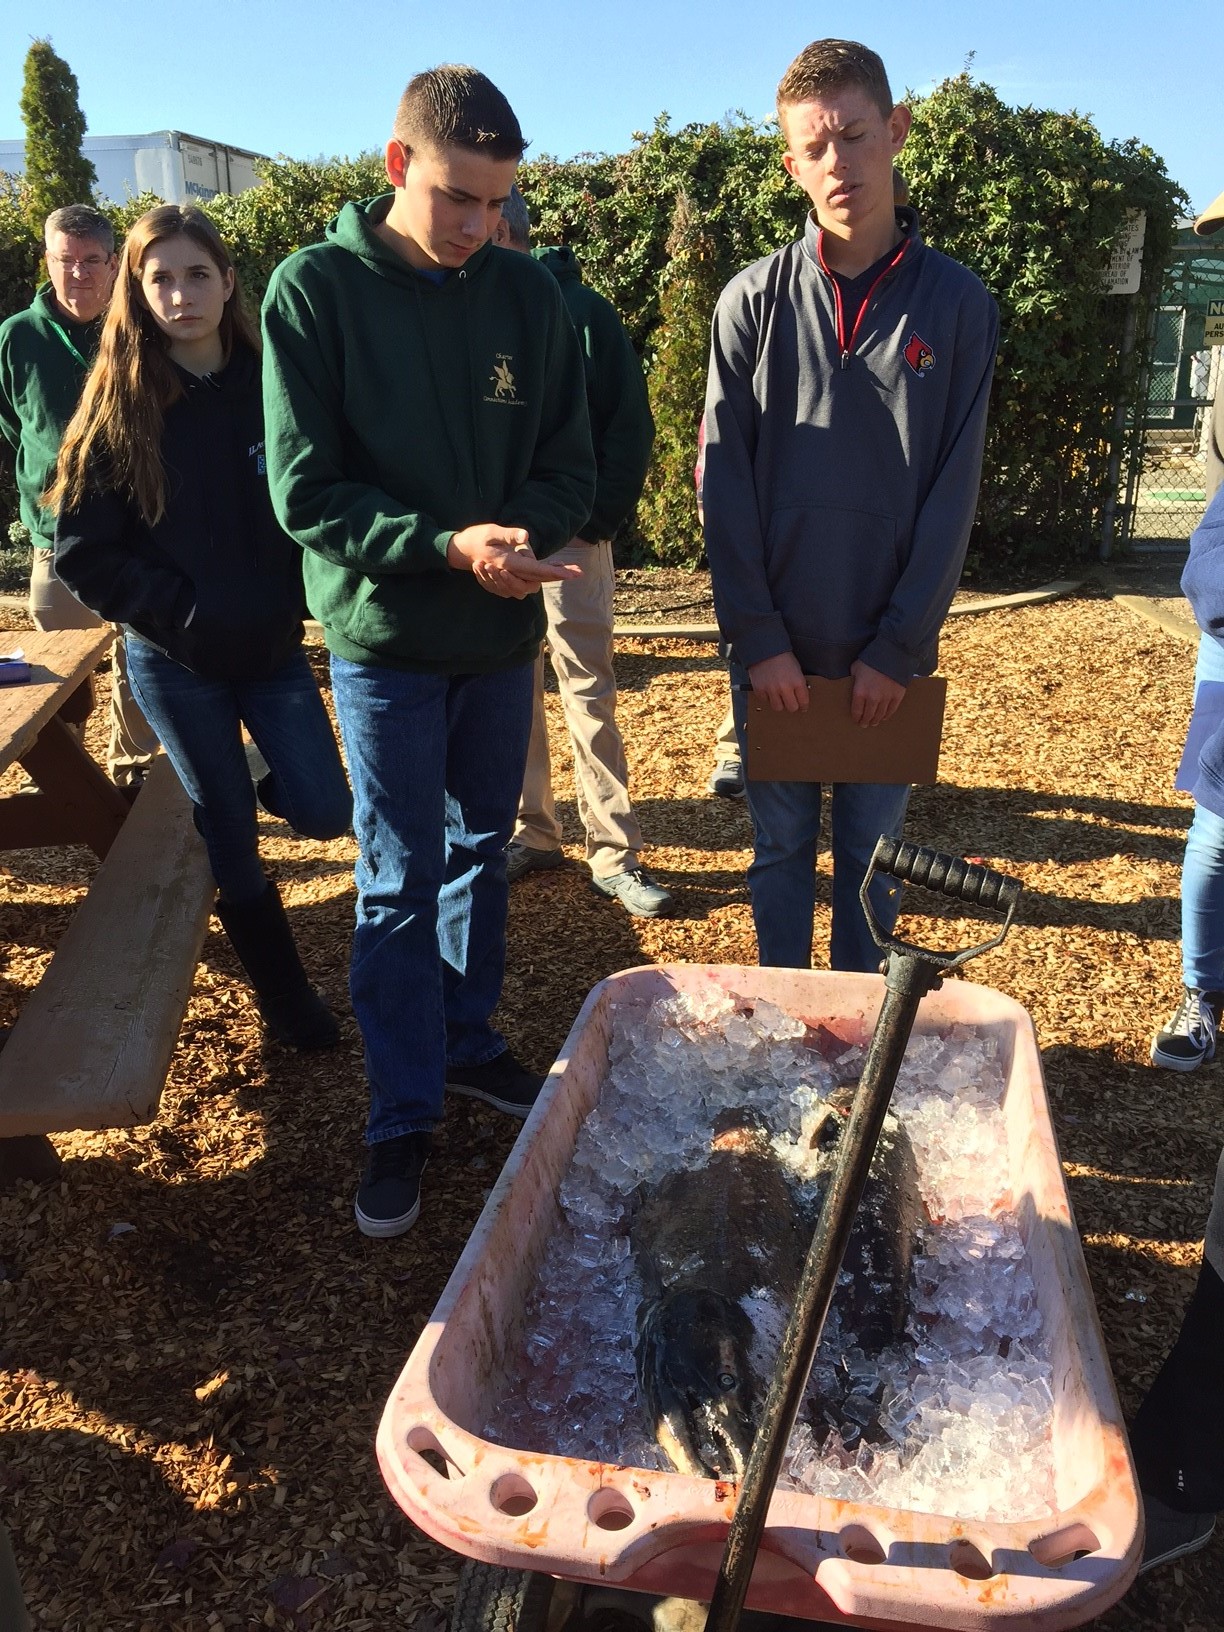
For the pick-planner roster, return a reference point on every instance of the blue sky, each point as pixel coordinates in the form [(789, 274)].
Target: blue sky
[(318, 77)]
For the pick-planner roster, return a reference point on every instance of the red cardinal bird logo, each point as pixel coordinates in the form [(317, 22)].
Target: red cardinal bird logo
[(919, 355)]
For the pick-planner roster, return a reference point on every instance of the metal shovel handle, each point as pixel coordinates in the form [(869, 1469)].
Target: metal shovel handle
[(946, 875), (910, 972)]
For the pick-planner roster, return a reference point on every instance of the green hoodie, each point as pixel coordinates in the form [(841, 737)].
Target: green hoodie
[(622, 427), (44, 358), (399, 411)]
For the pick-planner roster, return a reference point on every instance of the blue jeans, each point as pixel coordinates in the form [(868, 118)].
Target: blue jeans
[(782, 874), (437, 766), (1202, 882), (199, 722)]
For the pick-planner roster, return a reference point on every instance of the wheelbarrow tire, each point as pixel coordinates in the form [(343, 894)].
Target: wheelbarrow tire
[(490, 1598)]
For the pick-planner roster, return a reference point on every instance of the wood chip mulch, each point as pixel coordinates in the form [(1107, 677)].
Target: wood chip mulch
[(196, 1343)]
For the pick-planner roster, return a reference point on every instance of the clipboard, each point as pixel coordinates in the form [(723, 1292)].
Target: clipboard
[(825, 745)]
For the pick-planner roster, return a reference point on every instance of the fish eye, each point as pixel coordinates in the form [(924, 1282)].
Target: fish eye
[(727, 1381)]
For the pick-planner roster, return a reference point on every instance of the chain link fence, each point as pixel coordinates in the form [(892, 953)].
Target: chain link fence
[(1169, 488), (1165, 475)]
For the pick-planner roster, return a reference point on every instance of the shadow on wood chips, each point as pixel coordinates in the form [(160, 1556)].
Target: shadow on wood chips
[(196, 1343)]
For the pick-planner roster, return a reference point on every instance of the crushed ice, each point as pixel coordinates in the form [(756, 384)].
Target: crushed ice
[(960, 1415)]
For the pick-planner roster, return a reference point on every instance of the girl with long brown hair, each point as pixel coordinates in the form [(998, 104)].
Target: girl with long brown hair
[(165, 525)]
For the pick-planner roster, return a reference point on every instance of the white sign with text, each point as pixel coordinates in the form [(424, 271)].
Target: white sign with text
[(1126, 259)]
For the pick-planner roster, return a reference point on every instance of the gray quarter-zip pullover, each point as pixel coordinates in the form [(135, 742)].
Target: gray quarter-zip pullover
[(843, 457)]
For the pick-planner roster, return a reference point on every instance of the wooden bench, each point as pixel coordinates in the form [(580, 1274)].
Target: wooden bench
[(93, 1043)]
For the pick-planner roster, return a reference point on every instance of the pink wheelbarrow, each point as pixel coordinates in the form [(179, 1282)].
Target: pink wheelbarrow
[(561, 1543)]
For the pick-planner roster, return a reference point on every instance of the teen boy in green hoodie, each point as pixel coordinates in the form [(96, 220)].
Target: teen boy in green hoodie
[(427, 442)]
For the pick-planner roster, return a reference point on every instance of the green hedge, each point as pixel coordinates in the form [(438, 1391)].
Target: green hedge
[(1031, 200)]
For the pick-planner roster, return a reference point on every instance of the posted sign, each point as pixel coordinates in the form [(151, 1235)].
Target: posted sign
[(1213, 329), (1126, 260)]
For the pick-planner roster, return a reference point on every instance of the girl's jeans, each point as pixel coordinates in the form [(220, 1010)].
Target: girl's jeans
[(200, 725)]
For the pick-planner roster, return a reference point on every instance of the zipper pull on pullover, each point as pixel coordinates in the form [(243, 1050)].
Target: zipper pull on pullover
[(844, 341)]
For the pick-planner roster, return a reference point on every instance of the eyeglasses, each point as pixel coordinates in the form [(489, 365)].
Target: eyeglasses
[(81, 263)]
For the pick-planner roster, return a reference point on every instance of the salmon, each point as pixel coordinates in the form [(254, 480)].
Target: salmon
[(709, 1242)]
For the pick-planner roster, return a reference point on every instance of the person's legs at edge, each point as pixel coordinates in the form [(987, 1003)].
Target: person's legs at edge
[(14, 1616), (580, 643), (726, 743), (537, 832), (727, 777), (133, 741), (199, 724), (536, 823), (1189, 1036), (860, 813), (1177, 1437), (1203, 868), (1202, 903), (782, 873), (488, 724), (53, 606)]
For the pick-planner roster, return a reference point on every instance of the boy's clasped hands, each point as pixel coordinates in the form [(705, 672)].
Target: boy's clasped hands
[(502, 560)]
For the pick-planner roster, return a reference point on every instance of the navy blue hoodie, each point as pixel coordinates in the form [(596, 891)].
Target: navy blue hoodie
[(218, 548)]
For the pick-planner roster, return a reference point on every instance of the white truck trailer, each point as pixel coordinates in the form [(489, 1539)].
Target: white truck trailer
[(178, 168)]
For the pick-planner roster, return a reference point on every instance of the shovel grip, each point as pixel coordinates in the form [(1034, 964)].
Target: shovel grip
[(952, 876)]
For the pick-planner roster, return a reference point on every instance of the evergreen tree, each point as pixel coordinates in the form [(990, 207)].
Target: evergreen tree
[(691, 282), (57, 172)]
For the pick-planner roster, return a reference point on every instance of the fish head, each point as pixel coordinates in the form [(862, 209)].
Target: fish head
[(739, 1127), (697, 1382)]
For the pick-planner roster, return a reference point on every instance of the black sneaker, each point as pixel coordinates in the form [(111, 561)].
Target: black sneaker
[(1168, 1534), (1190, 1036), (501, 1082), (389, 1197), (522, 859)]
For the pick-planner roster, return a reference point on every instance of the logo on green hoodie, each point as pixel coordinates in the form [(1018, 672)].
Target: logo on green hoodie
[(502, 381)]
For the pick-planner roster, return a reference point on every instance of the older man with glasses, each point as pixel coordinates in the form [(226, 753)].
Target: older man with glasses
[(46, 352)]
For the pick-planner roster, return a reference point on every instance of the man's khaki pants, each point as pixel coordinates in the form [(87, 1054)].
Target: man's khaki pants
[(53, 606), (580, 645), (726, 743)]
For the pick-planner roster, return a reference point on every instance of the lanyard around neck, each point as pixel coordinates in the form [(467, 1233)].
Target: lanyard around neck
[(70, 343)]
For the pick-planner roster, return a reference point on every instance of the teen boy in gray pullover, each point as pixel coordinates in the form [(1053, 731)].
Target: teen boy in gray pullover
[(845, 417)]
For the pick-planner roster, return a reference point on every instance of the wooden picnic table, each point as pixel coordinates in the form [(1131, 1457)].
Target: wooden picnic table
[(93, 1041), (76, 803)]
